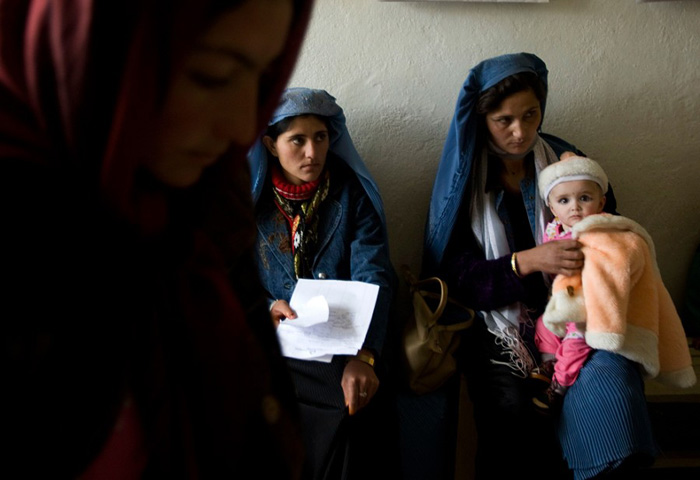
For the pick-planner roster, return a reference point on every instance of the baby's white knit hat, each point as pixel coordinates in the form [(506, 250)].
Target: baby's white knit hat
[(571, 169)]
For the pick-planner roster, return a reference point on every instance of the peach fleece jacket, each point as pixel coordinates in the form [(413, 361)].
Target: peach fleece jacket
[(621, 298)]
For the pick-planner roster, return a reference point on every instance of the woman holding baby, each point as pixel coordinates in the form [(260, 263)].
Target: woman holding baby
[(484, 234)]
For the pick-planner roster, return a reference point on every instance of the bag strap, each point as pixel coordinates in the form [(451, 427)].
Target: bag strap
[(416, 286), (455, 326)]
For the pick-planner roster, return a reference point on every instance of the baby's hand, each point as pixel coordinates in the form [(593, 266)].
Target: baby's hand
[(566, 155)]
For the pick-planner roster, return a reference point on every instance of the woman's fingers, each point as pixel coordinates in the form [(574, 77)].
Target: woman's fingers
[(280, 310), (571, 257), (359, 384), (556, 257), (567, 245)]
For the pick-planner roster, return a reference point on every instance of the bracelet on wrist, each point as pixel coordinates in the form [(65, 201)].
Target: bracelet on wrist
[(514, 265), (363, 357)]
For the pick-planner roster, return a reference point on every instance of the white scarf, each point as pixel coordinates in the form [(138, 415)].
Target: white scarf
[(490, 233)]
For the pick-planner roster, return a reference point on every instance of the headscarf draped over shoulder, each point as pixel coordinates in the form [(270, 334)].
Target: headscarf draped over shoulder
[(459, 150), (306, 101), (120, 285)]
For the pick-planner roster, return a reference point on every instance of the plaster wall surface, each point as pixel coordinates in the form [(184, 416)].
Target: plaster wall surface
[(624, 88)]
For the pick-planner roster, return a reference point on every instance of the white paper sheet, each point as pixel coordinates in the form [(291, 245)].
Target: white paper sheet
[(350, 306), (312, 312)]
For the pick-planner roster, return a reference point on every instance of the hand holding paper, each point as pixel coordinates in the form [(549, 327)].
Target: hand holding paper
[(313, 312), (347, 307)]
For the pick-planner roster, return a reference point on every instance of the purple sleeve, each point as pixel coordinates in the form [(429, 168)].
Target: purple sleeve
[(490, 284)]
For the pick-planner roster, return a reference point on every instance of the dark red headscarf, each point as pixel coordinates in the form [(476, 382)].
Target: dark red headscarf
[(120, 286)]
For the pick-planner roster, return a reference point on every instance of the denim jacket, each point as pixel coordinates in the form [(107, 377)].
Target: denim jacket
[(351, 246)]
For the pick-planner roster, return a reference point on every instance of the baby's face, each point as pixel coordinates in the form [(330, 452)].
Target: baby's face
[(575, 200)]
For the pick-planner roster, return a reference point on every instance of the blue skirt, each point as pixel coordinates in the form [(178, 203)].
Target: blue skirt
[(604, 419)]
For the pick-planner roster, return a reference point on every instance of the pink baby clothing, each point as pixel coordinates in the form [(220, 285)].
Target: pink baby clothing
[(571, 350)]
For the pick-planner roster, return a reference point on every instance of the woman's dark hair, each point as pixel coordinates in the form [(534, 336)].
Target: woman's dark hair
[(276, 129), (518, 82)]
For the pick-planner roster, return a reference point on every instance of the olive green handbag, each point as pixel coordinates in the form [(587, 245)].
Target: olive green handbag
[(431, 334)]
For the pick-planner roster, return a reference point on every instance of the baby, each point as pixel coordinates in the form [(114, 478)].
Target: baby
[(618, 301), (573, 189)]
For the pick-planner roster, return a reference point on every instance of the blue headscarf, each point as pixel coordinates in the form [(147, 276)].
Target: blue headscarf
[(459, 151), (306, 101)]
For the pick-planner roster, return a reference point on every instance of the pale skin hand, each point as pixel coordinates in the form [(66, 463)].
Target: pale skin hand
[(281, 310), (358, 377), (557, 257)]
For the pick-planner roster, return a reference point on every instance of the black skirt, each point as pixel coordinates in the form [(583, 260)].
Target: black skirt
[(339, 446)]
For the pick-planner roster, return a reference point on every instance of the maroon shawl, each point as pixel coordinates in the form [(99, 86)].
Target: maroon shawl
[(119, 285)]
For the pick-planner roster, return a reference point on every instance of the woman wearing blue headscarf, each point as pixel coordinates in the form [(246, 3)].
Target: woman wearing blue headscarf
[(483, 234), (320, 215)]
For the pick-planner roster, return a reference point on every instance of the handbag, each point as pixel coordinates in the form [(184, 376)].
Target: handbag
[(431, 335)]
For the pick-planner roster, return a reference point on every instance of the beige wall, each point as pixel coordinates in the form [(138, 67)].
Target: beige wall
[(624, 88)]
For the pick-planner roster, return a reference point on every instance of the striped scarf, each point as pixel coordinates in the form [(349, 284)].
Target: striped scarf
[(299, 204)]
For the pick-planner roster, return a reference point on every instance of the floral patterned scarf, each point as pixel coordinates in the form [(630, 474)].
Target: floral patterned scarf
[(299, 204)]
